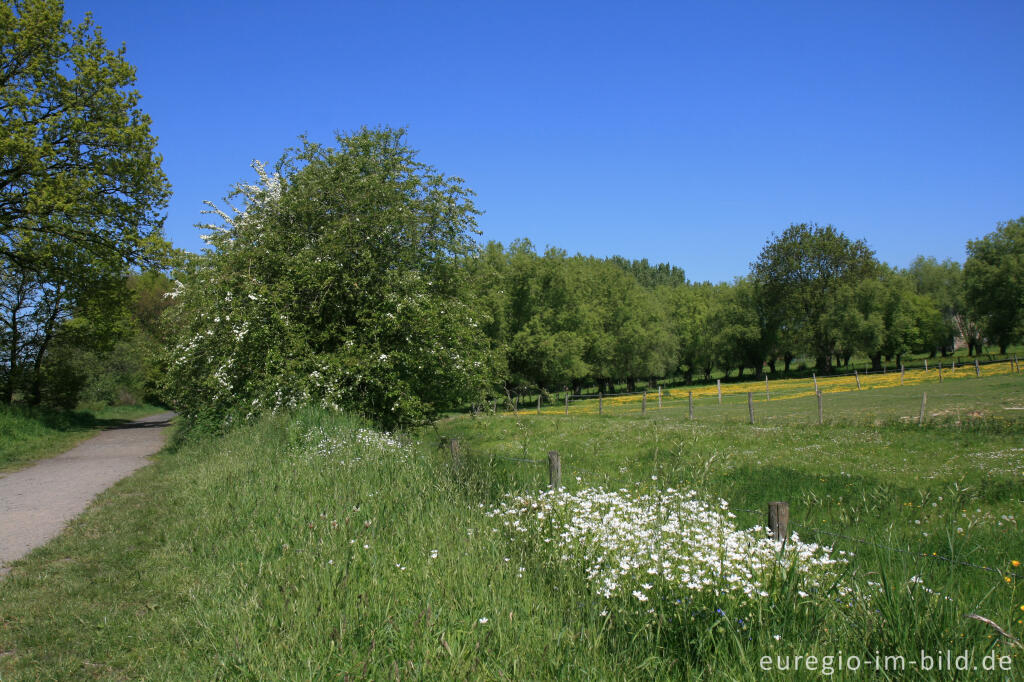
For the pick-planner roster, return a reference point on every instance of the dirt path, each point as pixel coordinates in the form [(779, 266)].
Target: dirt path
[(36, 503)]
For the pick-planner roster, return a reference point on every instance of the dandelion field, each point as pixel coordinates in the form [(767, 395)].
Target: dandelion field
[(308, 546)]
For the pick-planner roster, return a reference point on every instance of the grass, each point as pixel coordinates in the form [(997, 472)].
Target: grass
[(302, 547), (28, 434)]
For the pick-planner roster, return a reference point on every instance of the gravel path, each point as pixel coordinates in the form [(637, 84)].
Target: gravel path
[(36, 503)]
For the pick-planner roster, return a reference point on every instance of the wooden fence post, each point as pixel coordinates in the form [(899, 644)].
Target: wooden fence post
[(691, 404), (977, 368), (538, 403), (643, 404), (1015, 363), (554, 470), (659, 397), (924, 401), (815, 377), (778, 520), (820, 413), (901, 373), (940, 372), (857, 377), (926, 364), (600, 403), (456, 449), (567, 403), (767, 393), (719, 391), (750, 405)]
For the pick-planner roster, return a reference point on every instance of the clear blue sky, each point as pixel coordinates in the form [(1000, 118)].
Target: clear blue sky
[(685, 132)]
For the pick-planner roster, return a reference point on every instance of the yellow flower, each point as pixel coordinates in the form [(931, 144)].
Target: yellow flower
[(1015, 563), (1007, 579)]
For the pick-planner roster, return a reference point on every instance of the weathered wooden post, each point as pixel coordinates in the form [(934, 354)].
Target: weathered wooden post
[(815, 377), (778, 520), (750, 405), (643, 404), (567, 403), (926, 364), (691, 404), (940, 372), (924, 401), (456, 449), (857, 377), (600, 403), (538, 403), (901, 373), (719, 391), (767, 393), (554, 470), (819, 408), (977, 368)]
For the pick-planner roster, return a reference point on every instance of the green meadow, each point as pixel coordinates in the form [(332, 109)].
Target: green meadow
[(309, 546)]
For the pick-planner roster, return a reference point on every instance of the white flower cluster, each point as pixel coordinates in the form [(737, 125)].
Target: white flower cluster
[(357, 446), (671, 545)]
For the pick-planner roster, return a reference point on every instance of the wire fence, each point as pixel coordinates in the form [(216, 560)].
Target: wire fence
[(768, 397)]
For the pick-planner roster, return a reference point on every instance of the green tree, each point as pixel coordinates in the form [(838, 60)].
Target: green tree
[(945, 316), (802, 278), (81, 188), (994, 282), (338, 283)]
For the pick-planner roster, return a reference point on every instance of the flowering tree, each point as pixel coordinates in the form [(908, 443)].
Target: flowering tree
[(336, 283)]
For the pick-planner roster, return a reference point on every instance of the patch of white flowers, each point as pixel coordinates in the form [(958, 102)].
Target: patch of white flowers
[(667, 545)]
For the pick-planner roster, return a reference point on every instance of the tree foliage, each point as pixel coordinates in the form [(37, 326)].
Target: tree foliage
[(337, 283), (81, 188), (994, 282)]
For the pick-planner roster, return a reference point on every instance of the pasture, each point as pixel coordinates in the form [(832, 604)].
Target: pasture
[(308, 546)]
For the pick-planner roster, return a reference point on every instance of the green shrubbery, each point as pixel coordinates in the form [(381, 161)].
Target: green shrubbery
[(335, 285)]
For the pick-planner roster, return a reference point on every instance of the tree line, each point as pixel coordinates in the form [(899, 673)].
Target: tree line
[(349, 275), (559, 321)]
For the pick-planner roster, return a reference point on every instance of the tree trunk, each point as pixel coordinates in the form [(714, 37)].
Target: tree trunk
[(630, 384), (876, 362), (771, 365), (788, 359)]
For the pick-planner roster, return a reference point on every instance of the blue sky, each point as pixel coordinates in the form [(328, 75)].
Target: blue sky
[(680, 132)]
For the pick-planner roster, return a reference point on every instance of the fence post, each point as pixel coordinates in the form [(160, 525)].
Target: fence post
[(819, 407), (691, 404), (778, 520), (538, 403), (719, 391), (643, 405), (926, 364), (857, 377), (456, 449), (901, 373), (600, 403), (750, 405), (659, 397), (953, 368), (1015, 363), (815, 377), (924, 401), (977, 368), (567, 403), (940, 372), (767, 393), (554, 470)]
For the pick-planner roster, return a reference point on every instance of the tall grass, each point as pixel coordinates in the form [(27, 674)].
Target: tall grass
[(307, 546)]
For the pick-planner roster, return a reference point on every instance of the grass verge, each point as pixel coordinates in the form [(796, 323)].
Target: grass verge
[(309, 547)]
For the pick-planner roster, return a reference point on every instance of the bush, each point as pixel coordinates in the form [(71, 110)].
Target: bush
[(336, 285)]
